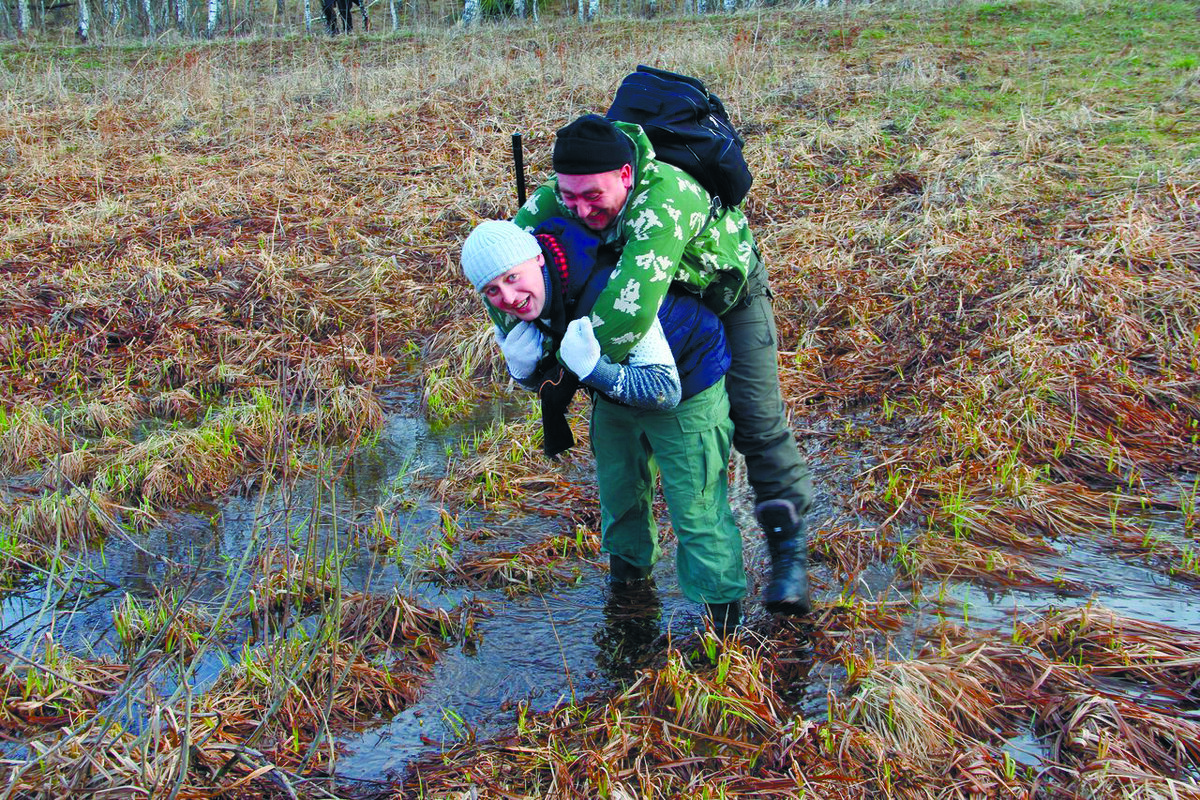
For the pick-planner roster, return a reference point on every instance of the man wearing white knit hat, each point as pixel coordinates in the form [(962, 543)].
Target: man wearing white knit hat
[(664, 408)]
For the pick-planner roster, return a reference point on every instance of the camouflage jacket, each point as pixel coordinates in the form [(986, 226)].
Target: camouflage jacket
[(665, 233)]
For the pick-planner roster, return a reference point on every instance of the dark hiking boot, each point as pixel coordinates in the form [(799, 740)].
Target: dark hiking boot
[(787, 593), (725, 617), (621, 571)]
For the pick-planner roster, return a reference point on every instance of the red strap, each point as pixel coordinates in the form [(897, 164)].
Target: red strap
[(558, 257)]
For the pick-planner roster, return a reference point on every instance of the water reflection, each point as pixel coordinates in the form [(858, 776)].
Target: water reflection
[(629, 639)]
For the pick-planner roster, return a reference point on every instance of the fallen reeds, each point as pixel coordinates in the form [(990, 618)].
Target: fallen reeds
[(993, 257), (56, 689), (1159, 656), (537, 566)]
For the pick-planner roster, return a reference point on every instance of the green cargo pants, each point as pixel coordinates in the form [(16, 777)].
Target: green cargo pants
[(774, 466), (689, 446)]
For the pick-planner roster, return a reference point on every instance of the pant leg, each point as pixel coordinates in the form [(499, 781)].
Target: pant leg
[(625, 476), (774, 466), (691, 444)]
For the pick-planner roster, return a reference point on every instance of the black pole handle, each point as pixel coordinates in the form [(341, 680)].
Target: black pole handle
[(519, 164)]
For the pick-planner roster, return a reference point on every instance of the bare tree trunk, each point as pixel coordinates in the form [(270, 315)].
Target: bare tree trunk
[(470, 12), (593, 9), (307, 17), (214, 17), (149, 12), (395, 14), (519, 9), (181, 15), (85, 21), (23, 18), (533, 4), (730, 6)]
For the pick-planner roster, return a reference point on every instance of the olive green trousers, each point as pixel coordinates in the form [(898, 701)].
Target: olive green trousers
[(688, 447)]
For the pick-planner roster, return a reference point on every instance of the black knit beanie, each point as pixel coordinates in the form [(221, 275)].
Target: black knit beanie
[(589, 145)]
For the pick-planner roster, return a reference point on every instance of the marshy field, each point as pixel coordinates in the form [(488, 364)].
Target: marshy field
[(275, 523)]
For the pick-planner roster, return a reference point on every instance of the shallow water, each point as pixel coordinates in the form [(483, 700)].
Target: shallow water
[(535, 649)]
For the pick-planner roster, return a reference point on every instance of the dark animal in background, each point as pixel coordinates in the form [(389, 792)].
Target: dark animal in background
[(339, 18)]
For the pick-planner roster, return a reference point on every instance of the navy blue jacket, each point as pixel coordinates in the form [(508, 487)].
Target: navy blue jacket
[(579, 267)]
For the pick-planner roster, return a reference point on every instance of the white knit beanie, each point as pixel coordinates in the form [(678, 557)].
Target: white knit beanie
[(495, 247)]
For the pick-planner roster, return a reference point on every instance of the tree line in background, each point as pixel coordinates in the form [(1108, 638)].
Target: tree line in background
[(209, 18)]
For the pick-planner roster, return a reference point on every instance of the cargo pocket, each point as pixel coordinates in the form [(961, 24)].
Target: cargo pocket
[(705, 433)]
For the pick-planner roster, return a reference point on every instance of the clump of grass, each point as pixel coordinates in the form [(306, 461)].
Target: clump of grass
[(501, 468), (1120, 746), (27, 437), (400, 622), (71, 518), (55, 689), (290, 582), (175, 626), (921, 707), (309, 684), (675, 727), (947, 558), (340, 413), (537, 566), (1107, 643)]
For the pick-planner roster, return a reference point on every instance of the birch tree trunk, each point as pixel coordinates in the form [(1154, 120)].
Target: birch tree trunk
[(23, 18), (519, 9), (593, 9), (149, 12), (730, 6), (85, 21), (307, 17), (470, 12), (181, 15), (214, 17), (395, 14)]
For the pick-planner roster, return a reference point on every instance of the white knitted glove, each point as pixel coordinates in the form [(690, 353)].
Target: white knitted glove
[(522, 348), (579, 348)]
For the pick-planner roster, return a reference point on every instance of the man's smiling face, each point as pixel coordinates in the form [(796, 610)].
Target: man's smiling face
[(521, 291)]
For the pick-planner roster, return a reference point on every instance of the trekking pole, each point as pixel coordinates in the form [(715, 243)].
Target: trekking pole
[(519, 164)]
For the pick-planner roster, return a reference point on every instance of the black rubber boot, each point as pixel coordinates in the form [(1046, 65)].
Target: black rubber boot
[(621, 571), (725, 617), (787, 592)]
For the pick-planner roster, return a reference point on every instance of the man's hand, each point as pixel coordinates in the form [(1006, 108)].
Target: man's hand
[(522, 349), (580, 350)]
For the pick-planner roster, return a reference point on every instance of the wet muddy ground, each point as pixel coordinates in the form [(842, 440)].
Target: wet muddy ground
[(533, 650)]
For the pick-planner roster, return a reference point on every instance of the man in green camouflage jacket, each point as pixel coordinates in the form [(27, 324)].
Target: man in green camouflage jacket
[(669, 229)]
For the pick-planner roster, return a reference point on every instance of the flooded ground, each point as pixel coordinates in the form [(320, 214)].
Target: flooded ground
[(532, 651)]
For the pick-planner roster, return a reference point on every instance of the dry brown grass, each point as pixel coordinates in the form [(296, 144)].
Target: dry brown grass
[(214, 256)]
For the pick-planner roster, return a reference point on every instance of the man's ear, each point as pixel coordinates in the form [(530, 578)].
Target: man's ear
[(627, 176)]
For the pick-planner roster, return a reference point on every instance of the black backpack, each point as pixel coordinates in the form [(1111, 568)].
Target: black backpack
[(688, 127)]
